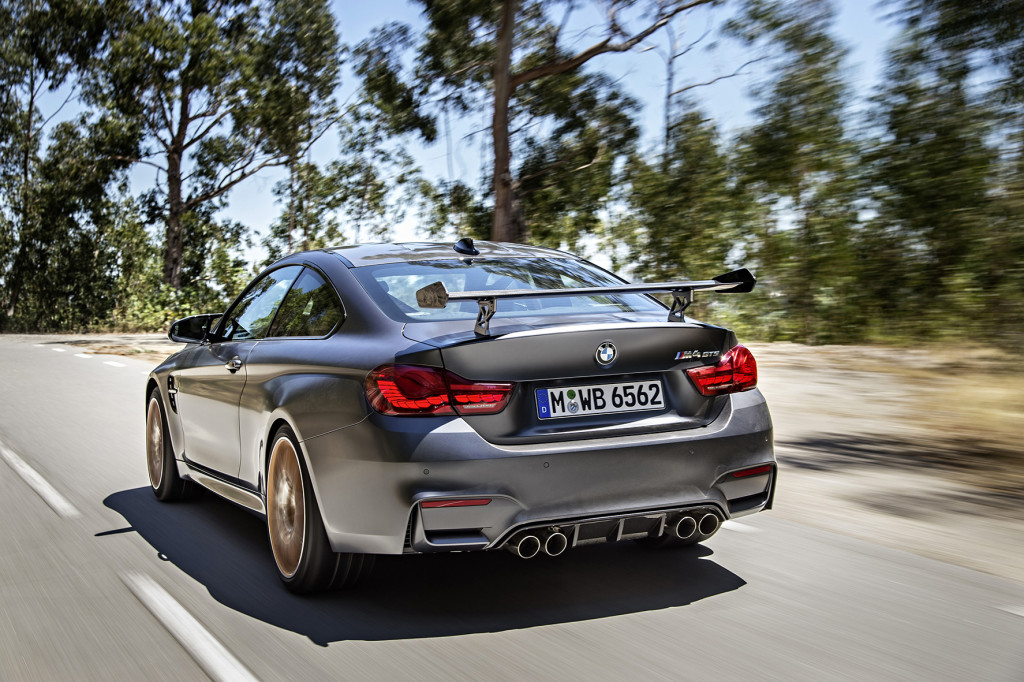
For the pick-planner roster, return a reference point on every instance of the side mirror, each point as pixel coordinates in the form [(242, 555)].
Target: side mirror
[(195, 329)]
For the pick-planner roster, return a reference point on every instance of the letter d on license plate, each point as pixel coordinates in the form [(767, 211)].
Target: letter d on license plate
[(579, 401)]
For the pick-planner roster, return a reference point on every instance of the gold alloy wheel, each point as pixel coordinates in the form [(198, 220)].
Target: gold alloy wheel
[(155, 443), (286, 507)]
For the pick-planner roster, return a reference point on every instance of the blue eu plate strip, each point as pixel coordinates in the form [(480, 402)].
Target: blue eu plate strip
[(543, 408)]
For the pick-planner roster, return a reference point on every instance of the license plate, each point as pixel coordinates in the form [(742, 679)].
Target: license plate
[(579, 401)]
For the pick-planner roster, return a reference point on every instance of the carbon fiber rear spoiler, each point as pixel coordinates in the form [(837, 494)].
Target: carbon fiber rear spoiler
[(437, 296)]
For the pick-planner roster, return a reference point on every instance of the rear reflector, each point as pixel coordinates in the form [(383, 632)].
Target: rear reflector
[(474, 502), (743, 473), (414, 390), (736, 372)]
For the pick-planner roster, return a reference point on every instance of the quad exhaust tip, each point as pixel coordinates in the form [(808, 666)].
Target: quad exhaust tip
[(526, 547), (708, 524), (685, 527), (555, 544)]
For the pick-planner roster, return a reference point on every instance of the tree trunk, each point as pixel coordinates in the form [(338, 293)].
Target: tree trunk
[(26, 231), (174, 246), (503, 228)]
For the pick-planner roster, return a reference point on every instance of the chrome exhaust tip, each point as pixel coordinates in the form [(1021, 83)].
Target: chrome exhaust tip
[(526, 547), (708, 524), (555, 544), (685, 527)]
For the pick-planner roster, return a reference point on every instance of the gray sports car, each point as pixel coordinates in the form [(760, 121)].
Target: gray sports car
[(406, 398)]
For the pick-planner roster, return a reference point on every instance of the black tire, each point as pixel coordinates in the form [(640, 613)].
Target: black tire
[(163, 472), (298, 541)]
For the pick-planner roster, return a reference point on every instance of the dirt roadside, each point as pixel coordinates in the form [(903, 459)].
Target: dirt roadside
[(915, 449)]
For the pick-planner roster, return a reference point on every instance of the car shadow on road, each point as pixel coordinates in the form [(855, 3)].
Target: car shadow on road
[(226, 549)]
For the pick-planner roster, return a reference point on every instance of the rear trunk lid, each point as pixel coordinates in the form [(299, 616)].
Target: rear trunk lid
[(585, 379)]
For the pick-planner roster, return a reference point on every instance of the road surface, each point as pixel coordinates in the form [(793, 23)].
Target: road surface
[(100, 581)]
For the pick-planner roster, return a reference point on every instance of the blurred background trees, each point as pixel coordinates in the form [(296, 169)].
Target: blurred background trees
[(125, 125)]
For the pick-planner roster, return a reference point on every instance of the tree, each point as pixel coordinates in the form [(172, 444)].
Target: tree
[(507, 56), (364, 192), (679, 222), (222, 90), (993, 27), (42, 45), (799, 160), (931, 173)]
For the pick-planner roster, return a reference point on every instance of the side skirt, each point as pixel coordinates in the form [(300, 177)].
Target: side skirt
[(230, 491)]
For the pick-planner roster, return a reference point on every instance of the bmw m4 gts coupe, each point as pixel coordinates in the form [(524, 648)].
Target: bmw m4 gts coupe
[(407, 398)]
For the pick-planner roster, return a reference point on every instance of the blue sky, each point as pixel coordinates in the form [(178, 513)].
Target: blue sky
[(861, 27)]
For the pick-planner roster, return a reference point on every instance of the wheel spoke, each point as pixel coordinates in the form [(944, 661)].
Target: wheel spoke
[(286, 507), (155, 443)]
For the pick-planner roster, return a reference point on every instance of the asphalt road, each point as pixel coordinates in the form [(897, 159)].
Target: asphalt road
[(100, 581)]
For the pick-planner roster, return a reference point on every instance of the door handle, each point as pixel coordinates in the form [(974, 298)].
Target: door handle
[(234, 364)]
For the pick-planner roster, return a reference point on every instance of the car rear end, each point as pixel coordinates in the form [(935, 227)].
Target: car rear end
[(575, 419)]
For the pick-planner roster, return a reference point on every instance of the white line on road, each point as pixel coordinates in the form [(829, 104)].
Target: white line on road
[(82, 355), (57, 502), (114, 363), (1015, 610), (144, 373), (212, 657), (58, 350), (739, 527)]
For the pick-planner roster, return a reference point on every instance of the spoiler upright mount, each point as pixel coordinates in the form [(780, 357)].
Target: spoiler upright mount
[(436, 295)]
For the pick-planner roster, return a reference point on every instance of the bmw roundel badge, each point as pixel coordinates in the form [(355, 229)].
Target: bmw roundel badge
[(605, 354)]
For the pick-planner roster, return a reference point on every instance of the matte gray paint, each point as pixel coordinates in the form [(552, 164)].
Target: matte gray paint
[(368, 469)]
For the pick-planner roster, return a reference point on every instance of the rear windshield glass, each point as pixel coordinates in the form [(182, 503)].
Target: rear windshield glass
[(393, 287)]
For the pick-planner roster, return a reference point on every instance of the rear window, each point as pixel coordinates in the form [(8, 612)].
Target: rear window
[(393, 286)]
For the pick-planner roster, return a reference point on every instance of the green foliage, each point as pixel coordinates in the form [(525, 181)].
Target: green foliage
[(359, 197), (221, 91), (798, 161), (904, 227)]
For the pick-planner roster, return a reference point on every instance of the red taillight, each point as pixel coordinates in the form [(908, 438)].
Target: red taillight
[(736, 372), (416, 390)]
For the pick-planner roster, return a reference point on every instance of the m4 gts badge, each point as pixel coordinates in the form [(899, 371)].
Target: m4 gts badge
[(697, 354)]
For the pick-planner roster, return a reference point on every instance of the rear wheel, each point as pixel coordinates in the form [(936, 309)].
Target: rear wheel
[(163, 472), (302, 552)]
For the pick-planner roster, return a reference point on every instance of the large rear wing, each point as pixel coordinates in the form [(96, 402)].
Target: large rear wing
[(437, 296)]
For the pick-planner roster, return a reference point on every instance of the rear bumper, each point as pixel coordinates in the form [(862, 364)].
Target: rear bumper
[(370, 478)]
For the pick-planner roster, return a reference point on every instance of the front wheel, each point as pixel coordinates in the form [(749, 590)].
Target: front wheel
[(302, 552), (163, 472)]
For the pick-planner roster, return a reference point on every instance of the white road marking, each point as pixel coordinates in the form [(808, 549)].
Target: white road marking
[(1015, 610), (57, 502), (82, 355), (211, 655), (39, 345), (739, 527), (114, 363), (58, 350), (145, 374)]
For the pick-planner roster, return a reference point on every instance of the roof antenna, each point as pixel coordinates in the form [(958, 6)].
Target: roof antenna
[(465, 246)]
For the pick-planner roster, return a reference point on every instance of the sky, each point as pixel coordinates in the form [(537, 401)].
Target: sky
[(861, 27)]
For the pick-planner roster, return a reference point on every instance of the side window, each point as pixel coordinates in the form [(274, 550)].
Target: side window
[(252, 315), (311, 308)]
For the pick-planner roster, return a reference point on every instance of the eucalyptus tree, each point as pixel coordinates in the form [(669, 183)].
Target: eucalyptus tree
[(798, 158), (932, 173), (508, 58), (43, 45), (360, 195), (222, 91)]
